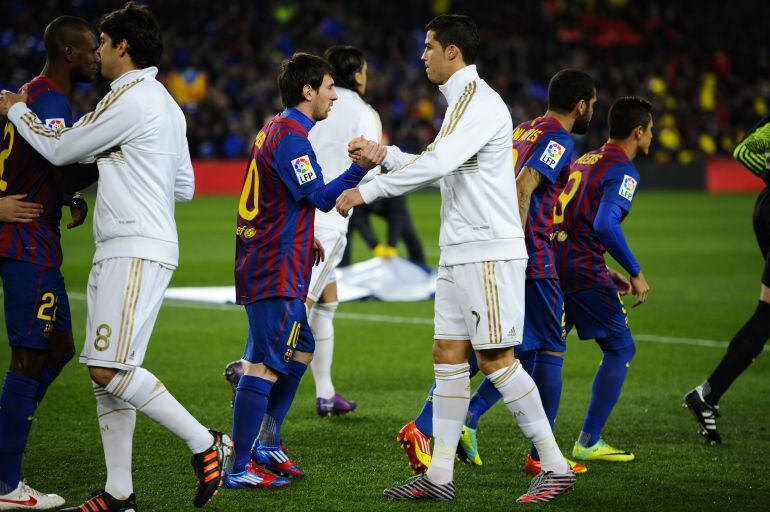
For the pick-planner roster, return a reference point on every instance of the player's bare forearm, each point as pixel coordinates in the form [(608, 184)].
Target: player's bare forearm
[(524, 200), (78, 210), (526, 183)]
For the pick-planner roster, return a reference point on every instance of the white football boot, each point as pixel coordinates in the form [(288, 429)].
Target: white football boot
[(25, 497)]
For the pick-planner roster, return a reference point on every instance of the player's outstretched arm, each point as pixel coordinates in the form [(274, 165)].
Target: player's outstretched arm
[(327, 197), (394, 158), (114, 121), (463, 137)]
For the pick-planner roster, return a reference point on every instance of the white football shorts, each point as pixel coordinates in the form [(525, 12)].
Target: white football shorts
[(124, 298), (334, 243), (482, 302)]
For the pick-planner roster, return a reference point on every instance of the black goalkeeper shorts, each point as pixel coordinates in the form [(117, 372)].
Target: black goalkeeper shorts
[(762, 230)]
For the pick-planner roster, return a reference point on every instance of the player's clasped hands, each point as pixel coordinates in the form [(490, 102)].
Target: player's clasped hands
[(368, 155)]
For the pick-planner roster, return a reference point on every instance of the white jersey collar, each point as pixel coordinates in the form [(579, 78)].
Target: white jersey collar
[(133, 75), (454, 87)]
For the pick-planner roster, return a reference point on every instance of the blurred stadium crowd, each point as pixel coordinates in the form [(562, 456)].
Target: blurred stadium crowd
[(705, 65)]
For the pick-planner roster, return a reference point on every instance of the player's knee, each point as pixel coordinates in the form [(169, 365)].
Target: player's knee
[(321, 320), (621, 346), (450, 352), (102, 376), (492, 360), (62, 349), (303, 357), (28, 362)]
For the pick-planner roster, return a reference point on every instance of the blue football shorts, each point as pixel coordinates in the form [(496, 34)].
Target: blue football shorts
[(277, 328), (36, 303)]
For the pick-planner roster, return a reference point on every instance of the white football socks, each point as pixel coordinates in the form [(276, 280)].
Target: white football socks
[(116, 424), (522, 399), (144, 391), (450, 406), (321, 321)]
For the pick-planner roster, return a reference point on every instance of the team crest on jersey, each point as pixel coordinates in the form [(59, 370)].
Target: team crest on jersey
[(552, 154), (260, 139), (627, 187), (56, 123), (303, 169)]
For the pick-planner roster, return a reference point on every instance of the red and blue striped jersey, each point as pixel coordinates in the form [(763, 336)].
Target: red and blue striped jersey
[(602, 175), (274, 234), (545, 146), (24, 171)]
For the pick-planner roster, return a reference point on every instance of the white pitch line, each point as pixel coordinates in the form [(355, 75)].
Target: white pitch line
[(415, 320)]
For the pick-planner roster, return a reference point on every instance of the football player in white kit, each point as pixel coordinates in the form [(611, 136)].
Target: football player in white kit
[(137, 135), (480, 286), (350, 117)]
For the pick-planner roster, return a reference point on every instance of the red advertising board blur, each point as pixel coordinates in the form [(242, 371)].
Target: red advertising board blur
[(726, 175), (219, 177)]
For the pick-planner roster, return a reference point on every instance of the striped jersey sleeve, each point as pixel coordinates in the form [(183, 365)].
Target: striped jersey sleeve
[(752, 151)]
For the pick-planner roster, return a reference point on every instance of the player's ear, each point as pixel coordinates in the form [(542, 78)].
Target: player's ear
[(307, 92), (68, 54), (452, 52), (582, 106)]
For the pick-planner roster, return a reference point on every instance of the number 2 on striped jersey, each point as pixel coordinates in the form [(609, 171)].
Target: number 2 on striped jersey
[(250, 188), (570, 189), (4, 154)]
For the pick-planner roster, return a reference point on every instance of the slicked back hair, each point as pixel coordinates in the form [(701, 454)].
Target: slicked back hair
[(458, 30)]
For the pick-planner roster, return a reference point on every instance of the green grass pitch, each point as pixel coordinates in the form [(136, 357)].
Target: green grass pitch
[(699, 255)]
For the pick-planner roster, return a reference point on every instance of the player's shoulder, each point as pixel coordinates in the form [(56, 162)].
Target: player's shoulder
[(43, 90)]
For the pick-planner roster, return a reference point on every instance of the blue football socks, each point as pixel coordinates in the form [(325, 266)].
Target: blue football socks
[(607, 386), (17, 405), (50, 372), (547, 376), (281, 398), (249, 407), (424, 421)]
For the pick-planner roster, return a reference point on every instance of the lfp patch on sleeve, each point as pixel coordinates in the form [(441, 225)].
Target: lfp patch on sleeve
[(552, 154), (303, 169), (627, 187), (56, 123)]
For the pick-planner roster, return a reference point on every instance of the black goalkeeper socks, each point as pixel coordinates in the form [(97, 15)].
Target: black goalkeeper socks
[(744, 348)]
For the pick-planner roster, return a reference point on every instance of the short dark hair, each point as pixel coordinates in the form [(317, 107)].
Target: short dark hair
[(300, 70), (626, 114), (567, 88), (63, 31), (346, 61), (136, 24), (459, 30)]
